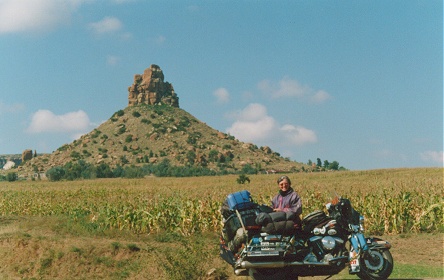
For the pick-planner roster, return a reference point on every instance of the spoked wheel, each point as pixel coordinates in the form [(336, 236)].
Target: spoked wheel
[(272, 274), (376, 265)]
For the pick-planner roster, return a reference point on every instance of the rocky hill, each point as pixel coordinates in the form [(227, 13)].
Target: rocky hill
[(153, 128)]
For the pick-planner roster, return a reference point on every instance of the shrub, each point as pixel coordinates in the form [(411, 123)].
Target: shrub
[(121, 130), (119, 113), (11, 176), (55, 173), (75, 155), (136, 114), (248, 169), (123, 159), (133, 172), (118, 171), (213, 155), (242, 179), (63, 148), (96, 133), (104, 171)]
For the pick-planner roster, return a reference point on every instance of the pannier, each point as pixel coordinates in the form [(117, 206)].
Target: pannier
[(239, 204), (232, 224), (240, 200), (236, 201)]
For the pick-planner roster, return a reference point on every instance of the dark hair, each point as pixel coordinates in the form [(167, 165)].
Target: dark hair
[(282, 178)]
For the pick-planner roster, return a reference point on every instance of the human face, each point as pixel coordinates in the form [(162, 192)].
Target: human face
[(284, 185)]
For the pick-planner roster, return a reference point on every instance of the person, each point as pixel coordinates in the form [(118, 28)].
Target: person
[(287, 200)]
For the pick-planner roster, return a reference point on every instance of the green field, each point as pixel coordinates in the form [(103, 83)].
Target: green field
[(167, 227)]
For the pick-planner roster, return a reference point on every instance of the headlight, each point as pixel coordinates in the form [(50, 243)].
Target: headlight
[(328, 243)]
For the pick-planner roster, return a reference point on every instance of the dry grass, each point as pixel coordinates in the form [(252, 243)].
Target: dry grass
[(393, 201), (105, 229)]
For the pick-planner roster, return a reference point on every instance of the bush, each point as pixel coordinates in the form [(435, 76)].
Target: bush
[(133, 172), (55, 173), (242, 179), (75, 155), (11, 177), (121, 130), (118, 171), (248, 169), (213, 156), (104, 171)]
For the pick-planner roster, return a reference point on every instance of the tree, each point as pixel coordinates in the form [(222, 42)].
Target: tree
[(248, 169), (118, 171), (55, 173), (326, 164), (104, 171), (334, 165), (318, 162)]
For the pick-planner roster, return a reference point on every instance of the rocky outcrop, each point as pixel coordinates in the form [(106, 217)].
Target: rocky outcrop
[(150, 88), (26, 155), (9, 165)]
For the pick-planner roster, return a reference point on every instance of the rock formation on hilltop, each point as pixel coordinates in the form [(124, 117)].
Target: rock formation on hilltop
[(150, 88), (26, 155)]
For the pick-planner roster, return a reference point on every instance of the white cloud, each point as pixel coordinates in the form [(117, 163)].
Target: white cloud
[(35, 15), (112, 60), (14, 108), (291, 88), (320, 96), (222, 95), (433, 156), (253, 124), (46, 121), (106, 25), (298, 135)]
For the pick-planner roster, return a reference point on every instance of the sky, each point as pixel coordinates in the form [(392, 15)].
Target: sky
[(357, 82)]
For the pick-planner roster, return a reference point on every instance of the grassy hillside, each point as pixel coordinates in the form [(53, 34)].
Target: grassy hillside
[(145, 134), (166, 228)]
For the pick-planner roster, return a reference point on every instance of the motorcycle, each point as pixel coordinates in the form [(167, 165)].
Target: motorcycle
[(264, 244)]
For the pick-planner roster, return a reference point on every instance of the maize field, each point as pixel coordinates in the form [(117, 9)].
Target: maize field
[(393, 201)]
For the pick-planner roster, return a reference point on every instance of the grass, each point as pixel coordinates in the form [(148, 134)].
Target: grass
[(146, 228), (414, 271)]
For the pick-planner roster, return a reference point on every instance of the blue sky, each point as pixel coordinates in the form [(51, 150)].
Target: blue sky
[(359, 82)]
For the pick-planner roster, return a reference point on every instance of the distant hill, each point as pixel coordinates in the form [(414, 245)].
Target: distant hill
[(153, 128), (143, 134)]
